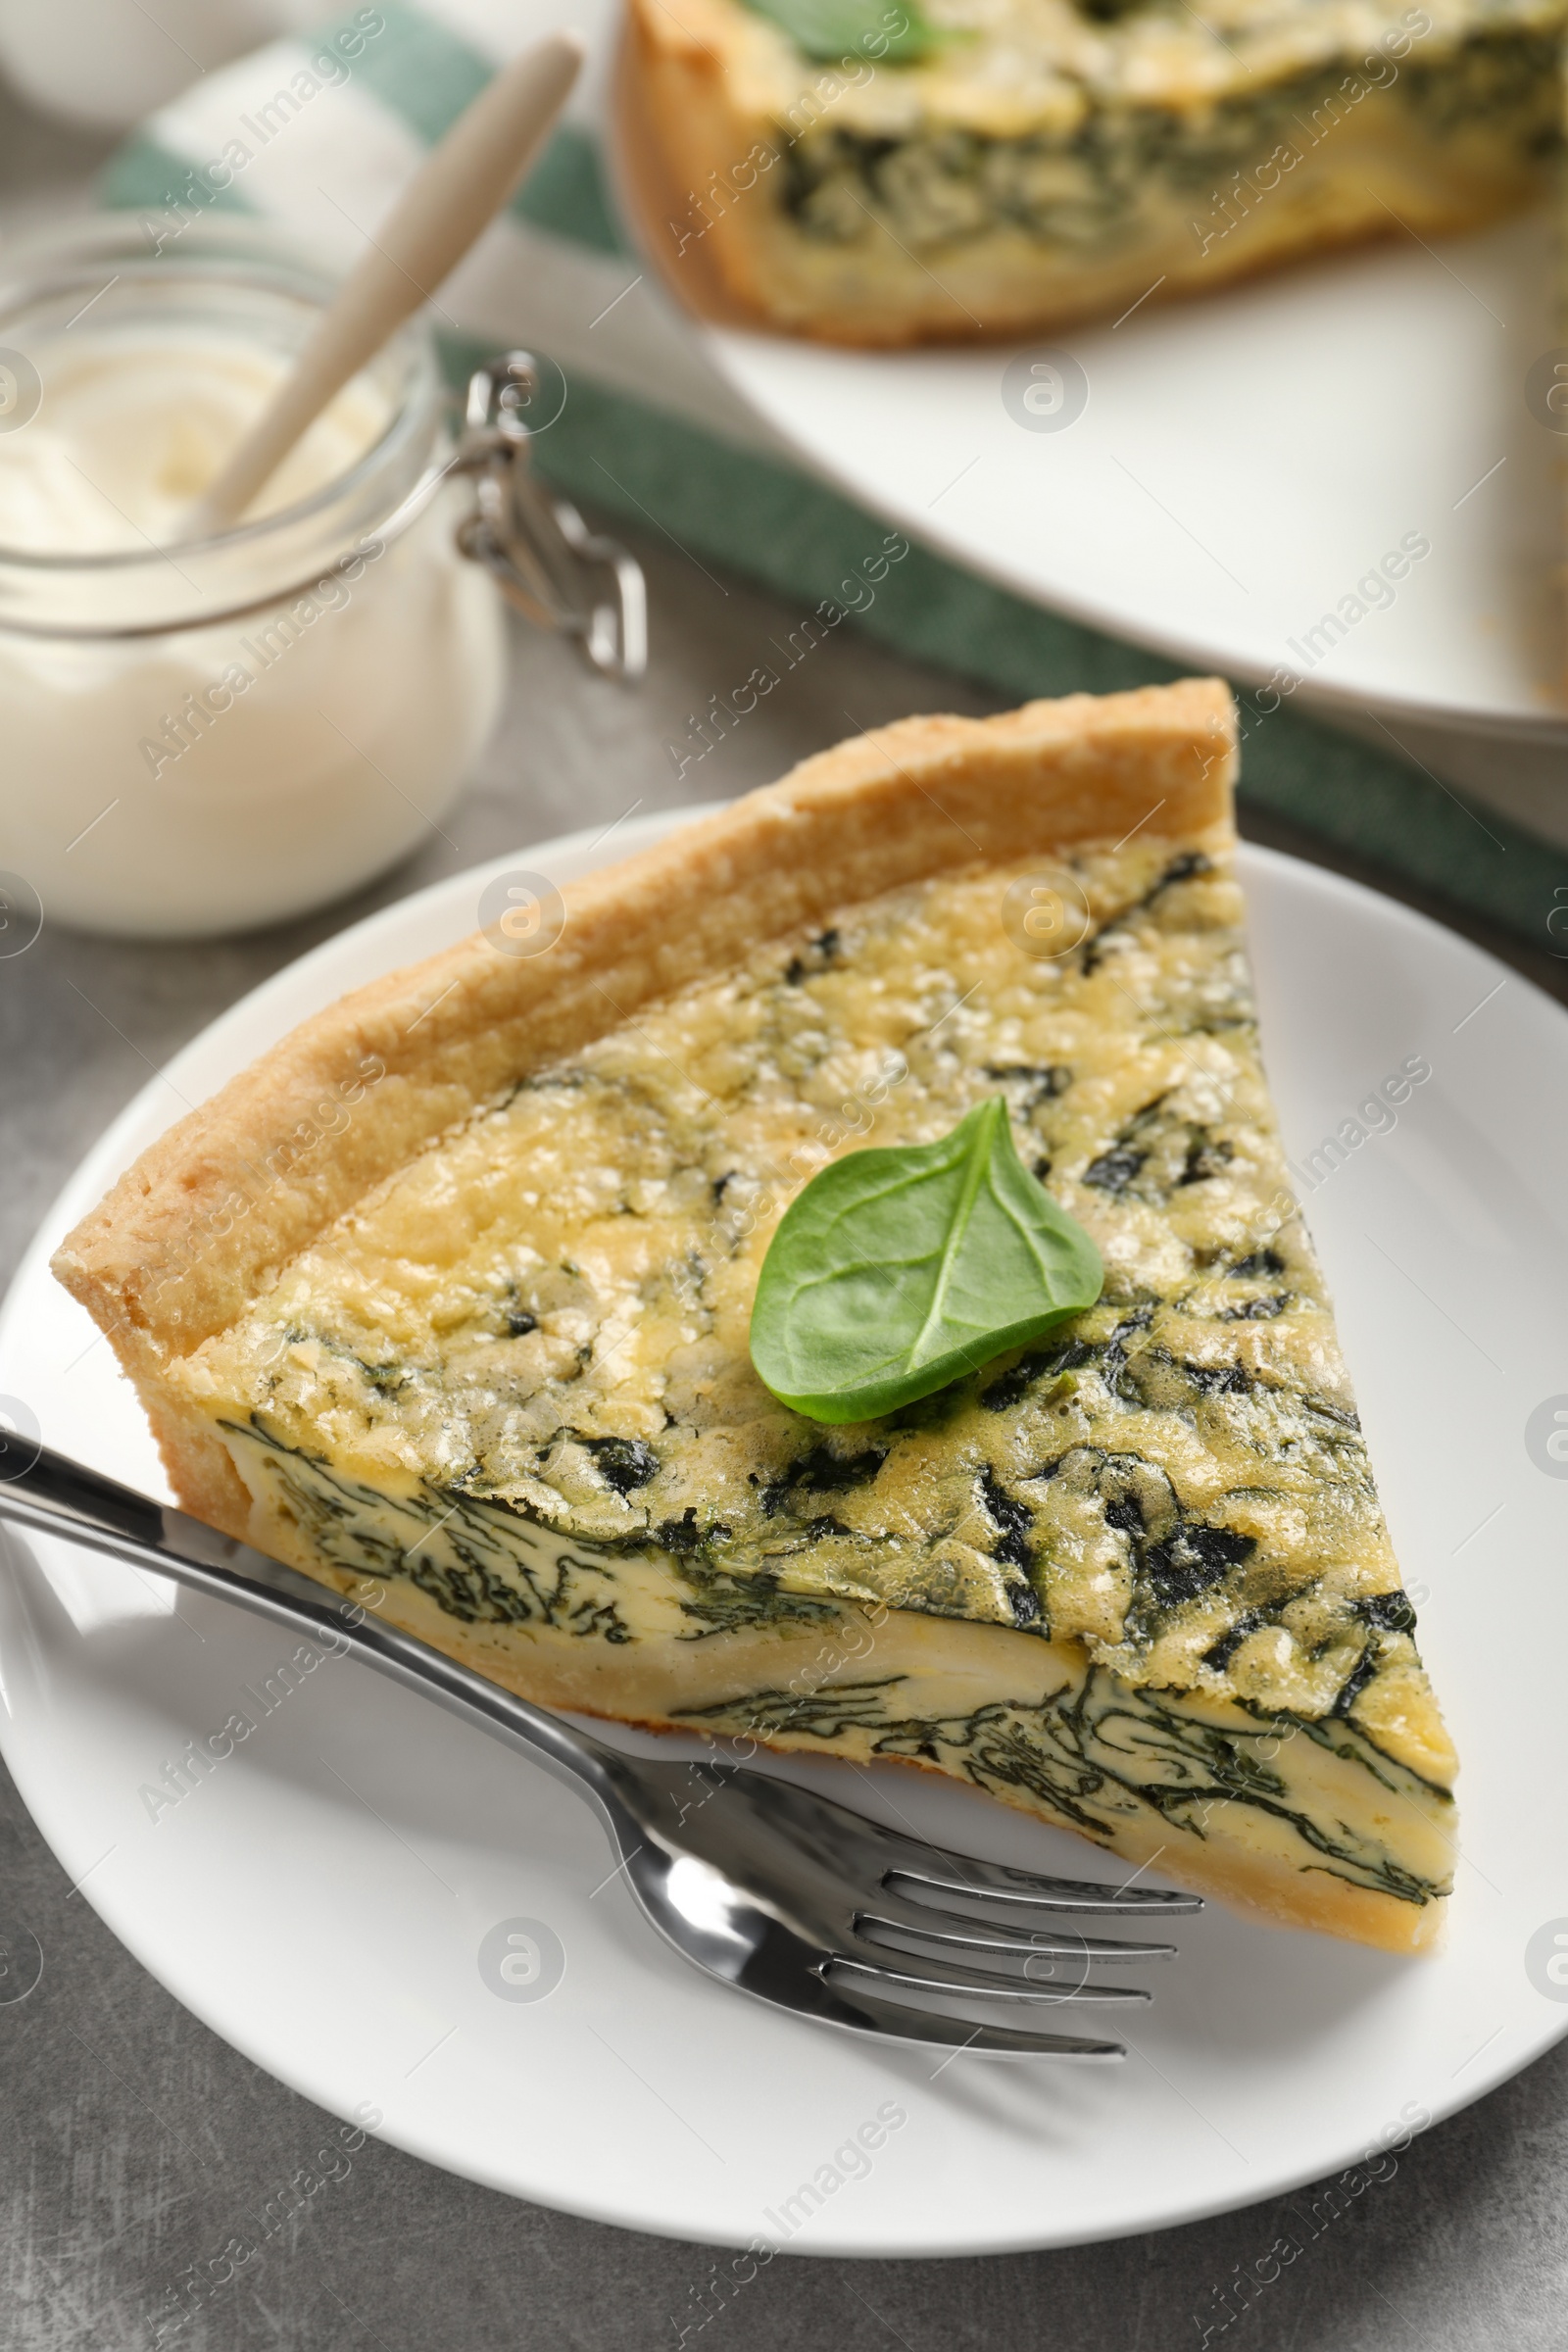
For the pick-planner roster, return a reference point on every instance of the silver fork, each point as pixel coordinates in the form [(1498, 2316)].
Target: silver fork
[(787, 1895)]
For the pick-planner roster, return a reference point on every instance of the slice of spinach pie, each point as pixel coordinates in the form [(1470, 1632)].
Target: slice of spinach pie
[(452, 1292), (891, 171)]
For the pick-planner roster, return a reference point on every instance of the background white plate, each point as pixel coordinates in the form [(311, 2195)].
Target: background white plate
[(1241, 463), (321, 1899)]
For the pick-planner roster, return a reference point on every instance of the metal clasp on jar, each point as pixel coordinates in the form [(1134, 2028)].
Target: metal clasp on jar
[(537, 548)]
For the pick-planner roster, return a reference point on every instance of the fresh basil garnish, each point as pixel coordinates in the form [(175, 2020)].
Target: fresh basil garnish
[(900, 1268), (884, 32)]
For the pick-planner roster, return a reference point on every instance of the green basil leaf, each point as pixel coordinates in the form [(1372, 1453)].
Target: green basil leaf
[(900, 1267), (884, 32)]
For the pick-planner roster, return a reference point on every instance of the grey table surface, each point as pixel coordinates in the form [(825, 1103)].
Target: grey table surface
[(132, 2140)]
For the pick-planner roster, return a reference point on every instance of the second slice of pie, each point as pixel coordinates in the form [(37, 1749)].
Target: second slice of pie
[(973, 169), (451, 1292)]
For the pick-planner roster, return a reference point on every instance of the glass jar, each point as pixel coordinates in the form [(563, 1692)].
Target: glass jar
[(198, 738)]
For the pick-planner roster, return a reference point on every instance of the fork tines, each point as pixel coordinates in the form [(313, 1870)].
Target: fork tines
[(996, 1883), (968, 1954)]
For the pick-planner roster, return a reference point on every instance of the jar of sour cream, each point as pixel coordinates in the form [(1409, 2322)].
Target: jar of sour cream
[(200, 737)]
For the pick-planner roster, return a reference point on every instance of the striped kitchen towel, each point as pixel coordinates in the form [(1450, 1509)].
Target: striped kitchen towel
[(320, 131)]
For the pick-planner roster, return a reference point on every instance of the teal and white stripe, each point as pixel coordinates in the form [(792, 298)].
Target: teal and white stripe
[(323, 131)]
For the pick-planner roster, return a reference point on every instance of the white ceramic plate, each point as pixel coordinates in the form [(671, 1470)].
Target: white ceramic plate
[(1244, 461), (321, 1900)]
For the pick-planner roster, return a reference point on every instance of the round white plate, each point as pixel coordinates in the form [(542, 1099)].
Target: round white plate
[(324, 1899), (1243, 464)]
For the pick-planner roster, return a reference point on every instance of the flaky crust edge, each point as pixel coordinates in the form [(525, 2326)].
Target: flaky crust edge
[(205, 1219)]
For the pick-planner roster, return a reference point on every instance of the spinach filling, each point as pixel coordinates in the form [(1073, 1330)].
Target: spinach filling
[(1093, 186), (1091, 1754), (1094, 1755), (484, 1563)]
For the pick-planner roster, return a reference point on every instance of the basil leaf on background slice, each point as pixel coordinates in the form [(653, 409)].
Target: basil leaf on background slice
[(900, 1267), (885, 31)]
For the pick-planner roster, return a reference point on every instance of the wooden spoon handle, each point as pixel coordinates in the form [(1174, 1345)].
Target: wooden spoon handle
[(463, 184)]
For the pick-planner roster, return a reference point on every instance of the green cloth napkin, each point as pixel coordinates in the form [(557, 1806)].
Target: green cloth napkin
[(320, 131)]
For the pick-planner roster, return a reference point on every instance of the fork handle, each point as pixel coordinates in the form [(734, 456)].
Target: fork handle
[(52, 1495)]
